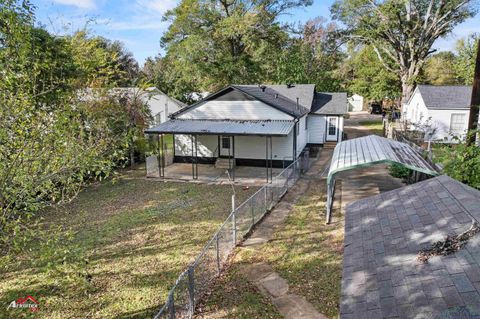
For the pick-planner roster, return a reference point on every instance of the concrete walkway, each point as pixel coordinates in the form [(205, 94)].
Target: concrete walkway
[(269, 282), (355, 185)]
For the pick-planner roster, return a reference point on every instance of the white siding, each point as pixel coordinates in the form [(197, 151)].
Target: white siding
[(417, 114), (316, 129), (340, 128), (441, 123), (235, 110), (355, 103), (207, 145), (250, 147), (302, 137), (161, 106), (253, 147)]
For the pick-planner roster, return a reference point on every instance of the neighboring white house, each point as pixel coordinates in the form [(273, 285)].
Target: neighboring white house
[(161, 105), (441, 111), (355, 103), (254, 125)]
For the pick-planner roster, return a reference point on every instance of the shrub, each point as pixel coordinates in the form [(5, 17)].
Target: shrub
[(399, 171)]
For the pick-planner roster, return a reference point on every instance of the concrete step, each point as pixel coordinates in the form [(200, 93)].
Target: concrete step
[(329, 145), (224, 163)]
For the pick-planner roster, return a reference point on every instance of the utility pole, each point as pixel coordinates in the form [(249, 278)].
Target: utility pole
[(475, 101)]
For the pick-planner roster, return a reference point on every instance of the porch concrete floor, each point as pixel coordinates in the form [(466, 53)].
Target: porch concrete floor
[(207, 173)]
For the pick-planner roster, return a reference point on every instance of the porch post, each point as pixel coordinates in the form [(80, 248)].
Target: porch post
[(193, 158), (266, 156), (162, 158), (196, 156), (159, 157), (233, 159), (271, 160)]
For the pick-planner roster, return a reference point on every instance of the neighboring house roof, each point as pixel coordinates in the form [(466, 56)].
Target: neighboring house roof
[(89, 94), (382, 277), (205, 127), (446, 97), (330, 103)]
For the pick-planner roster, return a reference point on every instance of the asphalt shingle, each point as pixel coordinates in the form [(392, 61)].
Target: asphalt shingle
[(390, 229)]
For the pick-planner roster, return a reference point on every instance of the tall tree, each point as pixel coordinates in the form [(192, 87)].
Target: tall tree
[(102, 63), (365, 75), (439, 69), (464, 65), (312, 56), (402, 31), (210, 44)]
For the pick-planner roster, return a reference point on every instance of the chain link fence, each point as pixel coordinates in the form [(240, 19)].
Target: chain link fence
[(192, 285)]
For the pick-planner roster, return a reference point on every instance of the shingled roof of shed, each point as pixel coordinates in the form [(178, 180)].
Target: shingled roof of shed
[(382, 277)]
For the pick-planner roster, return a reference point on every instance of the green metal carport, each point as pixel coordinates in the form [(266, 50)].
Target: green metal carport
[(368, 151)]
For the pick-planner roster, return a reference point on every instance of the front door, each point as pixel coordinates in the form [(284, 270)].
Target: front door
[(225, 146), (332, 128)]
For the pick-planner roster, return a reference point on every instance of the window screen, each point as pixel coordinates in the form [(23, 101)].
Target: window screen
[(457, 123)]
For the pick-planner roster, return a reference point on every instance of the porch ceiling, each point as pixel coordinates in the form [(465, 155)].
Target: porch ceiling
[(224, 127)]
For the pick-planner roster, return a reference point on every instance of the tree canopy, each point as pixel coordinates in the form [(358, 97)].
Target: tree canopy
[(402, 32)]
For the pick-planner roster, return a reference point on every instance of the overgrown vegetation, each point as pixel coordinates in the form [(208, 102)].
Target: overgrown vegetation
[(400, 171), (54, 139), (117, 248), (460, 162)]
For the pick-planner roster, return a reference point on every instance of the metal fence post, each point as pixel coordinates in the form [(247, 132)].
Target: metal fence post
[(217, 248), (191, 288), (171, 307), (265, 198), (234, 229), (252, 210)]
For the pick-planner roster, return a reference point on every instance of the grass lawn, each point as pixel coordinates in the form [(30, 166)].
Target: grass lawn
[(375, 126), (305, 251), (122, 245)]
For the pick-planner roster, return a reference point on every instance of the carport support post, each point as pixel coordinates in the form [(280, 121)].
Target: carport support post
[(330, 186)]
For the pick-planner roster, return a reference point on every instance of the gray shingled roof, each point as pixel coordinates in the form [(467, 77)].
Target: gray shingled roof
[(446, 96), (304, 92), (205, 127), (383, 234), (276, 99), (330, 103)]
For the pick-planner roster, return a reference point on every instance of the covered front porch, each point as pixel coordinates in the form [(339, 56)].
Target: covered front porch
[(219, 151)]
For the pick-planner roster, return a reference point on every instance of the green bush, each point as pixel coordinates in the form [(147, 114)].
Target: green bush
[(399, 171)]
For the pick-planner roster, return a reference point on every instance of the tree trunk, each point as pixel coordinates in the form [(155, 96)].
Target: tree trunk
[(407, 90)]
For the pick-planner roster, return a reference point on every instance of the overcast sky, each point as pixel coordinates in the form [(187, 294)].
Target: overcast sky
[(138, 23)]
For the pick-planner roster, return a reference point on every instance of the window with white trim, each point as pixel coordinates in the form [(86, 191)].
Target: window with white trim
[(457, 123)]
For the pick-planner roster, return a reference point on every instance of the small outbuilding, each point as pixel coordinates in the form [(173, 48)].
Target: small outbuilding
[(383, 276)]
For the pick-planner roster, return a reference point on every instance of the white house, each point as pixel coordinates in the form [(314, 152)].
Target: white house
[(355, 103), (441, 111), (161, 105), (254, 125)]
